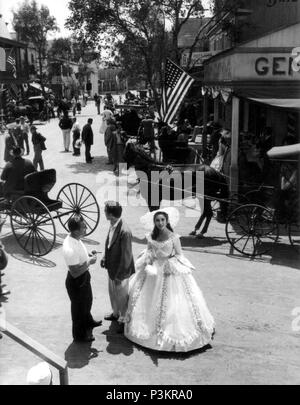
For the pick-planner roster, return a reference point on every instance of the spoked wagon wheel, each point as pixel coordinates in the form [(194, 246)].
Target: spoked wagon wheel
[(294, 233), (3, 217), (32, 226), (233, 202), (78, 200), (294, 223), (252, 229)]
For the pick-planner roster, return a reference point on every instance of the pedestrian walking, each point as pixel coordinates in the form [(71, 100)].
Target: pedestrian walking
[(109, 139), (38, 142), (50, 103), (78, 281), (87, 137), (97, 99), (166, 308), (106, 115), (78, 106), (118, 260), (76, 135), (63, 107), (117, 150), (85, 99), (25, 134), (73, 103), (66, 124), (10, 141)]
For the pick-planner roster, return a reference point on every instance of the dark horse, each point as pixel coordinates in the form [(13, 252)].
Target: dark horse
[(215, 185)]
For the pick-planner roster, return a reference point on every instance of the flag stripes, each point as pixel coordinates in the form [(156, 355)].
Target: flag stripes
[(177, 84), (12, 64), (14, 91)]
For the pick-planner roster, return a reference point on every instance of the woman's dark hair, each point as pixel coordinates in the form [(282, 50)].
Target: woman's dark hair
[(155, 231), (113, 208), (74, 223)]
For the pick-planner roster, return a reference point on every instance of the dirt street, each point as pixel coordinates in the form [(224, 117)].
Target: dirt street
[(257, 337)]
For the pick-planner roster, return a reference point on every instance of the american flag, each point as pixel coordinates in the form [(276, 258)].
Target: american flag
[(14, 91), (12, 62), (177, 84)]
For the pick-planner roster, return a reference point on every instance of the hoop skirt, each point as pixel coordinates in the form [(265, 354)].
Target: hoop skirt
[(166, 308)]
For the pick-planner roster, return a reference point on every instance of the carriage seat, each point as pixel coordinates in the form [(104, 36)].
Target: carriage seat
[(39, 184)]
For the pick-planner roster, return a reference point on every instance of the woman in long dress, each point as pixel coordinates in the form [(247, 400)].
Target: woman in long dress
[(106, 116), (166, 308)]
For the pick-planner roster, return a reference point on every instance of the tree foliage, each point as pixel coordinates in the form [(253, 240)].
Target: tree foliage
[(33, 24), (140, 33), (61, 48)]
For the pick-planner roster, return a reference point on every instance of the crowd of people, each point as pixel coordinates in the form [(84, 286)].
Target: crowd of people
[(155, 300)]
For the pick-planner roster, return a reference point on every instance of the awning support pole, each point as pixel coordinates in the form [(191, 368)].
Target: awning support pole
[(205, 117), (234, 171), (216, 110), (246, 116)]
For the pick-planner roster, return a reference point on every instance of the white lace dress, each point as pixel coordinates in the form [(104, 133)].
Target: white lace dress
[(166, 309)]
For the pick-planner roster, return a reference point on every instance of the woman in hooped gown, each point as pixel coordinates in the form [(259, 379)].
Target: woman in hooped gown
[(166, 308)]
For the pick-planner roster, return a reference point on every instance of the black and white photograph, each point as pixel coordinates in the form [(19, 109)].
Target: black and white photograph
[(149, 195)]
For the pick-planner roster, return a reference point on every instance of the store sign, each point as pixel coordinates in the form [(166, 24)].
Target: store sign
[(197, 58), (252, 66)]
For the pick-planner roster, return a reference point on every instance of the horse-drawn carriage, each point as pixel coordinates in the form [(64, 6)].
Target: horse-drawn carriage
[(32, 212), (39, 108), (34, 108), (251, 227)]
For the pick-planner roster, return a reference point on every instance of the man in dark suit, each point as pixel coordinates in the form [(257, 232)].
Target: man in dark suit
[(87, 137), (118, 260), (14, 173)]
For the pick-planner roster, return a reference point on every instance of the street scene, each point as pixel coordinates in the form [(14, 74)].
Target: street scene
[(149, 218)]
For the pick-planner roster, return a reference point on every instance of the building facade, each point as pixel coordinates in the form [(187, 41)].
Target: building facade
[(255, 84), (14, 68)]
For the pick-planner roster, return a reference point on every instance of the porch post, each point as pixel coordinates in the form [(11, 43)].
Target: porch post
[(205, 117), (234, 170), (246, 116), (216, 109)]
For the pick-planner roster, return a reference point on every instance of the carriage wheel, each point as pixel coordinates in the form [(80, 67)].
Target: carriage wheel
[(33, 226), (233, 202), (251, 230), (79, 200), (3, 217), (294, 233)]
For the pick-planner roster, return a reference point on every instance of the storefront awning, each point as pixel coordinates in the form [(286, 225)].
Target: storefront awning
[(281, 152), (279, 102), (37, 86)]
